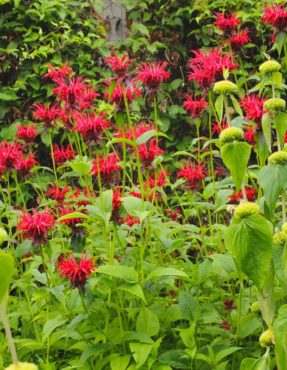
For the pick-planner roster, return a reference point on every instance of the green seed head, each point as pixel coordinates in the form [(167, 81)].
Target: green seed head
[(266, 338), (255, 307), (284, 228), (3, 235), (224, 87), (270, 66), (230, 134), (246, 209), (278, 158), (22, 366), (274, 105)]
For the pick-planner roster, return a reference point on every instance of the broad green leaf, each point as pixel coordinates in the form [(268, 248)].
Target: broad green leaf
[(262, 363), (120, 362), (219, 107), (72, 215), (145, 137), (51, 325), (126, 273), (147, 322), (236, 105), (134, 289), (266, 128), (120, 140), (132, 205), (280, 333), (250, 242), (280, 121), (225, 352), (272, 179), (140, 352), (6, 274), (189, 306), (235, 157), (166, 271), (7, 94)]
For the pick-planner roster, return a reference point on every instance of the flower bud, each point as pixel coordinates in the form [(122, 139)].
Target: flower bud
[(255, 307), (3, 235), (246, 209), (278, 158), (224, 87), (230, 134), (22, 366), (269, 67), (274, 105), (266, 338)]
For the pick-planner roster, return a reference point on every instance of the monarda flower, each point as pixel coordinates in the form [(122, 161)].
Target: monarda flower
[(46, 113), (149, 151), (253, 107), (10, 154), (106, 167), (249, 134), (130, 220), (157, 180), (77, 272), (226, 22), (240, 38), (136, 132), (193, 174), (36, 226), (229, 305), (91, 126), (194, 105), (173, 215), (119, 65), (276, 16), (71, 222), (117, 96), (152, 74), (62, 72), (225, 325), (216, 128), (236, 197), (63, 153), (27, 133), (55, 193), (24, 165)]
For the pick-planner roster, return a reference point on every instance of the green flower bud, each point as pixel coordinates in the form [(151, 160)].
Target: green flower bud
[(274, 105), (284, 228), (224, 87), (246, 209), (266, 338), (3, 235), (22, 366), (278, 238), (270, 66), (278, 158), (255, 307), (230, 134)]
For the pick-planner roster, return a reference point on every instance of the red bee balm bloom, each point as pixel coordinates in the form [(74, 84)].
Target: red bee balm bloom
[(253, 107), (35, 226), (118, 65), (24, 165), (240, 38), (63, 154), (226, 22), (46, 113), (57, 194), (148, 152), (130, 220), (193, 174), (216, 128), (106, 166), (276, 16), (117, 96), (10, 154), (152, 74), (237, 196), (91, 126), (249, 135), (194, 105), (76, 272), (61, 72), (27, 133)]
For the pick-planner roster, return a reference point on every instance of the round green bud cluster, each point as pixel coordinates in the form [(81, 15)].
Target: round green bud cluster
[(266, 338), (224, 87), (270, 66), (278, 158), (22, 366), (280, 237), (3, 235), (255, 307), (230, 134), (246, 209), (274, 105)]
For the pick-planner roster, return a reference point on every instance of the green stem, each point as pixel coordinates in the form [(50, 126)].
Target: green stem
[(5, 321)]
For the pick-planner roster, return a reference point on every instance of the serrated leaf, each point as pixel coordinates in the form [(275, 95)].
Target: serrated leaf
[(147, 322), (166, 271), (51, 325), (125, 273)]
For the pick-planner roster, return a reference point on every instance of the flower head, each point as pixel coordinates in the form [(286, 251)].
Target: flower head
[(55, 193), (249, 134), (24, 165), (226, 22), (230, 134), (253, 107), (240, 38), (77, 272), (266, 338), (278, 158), (46, 113), (149, 151), (269, 66), (27, 133), (62, 72), (152, 74), (194, 105), (246, 209), (216, 128), (63, 154), (224, 87), (192, 173), (274, 105), (106, 166), (130, 220), (276, 16), (90, 125), (237, 196), (117, 96), (118, 65), (10, 154)]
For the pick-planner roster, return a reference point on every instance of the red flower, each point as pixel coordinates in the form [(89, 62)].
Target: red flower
[(117, 96), (46, 113), (174, 215), (77, 272), (253, 107), (61, 72), (72, 222), (27, 133), (193, 174), (138, 130), (24, 165), (226, 22), (136, 194), (118, 65), (157, 180), (249, 134), (107, 166), (225, 325), (148, 152), (63, 154), (130, 220), (194, 105), (207, 66), (152, 74), (57, 194), (276, 16), (84, 196), (240, 38), (216, 128), (229, 305), (90, 125), (10, 154), (237, 196), (35, 226), (117, 200)]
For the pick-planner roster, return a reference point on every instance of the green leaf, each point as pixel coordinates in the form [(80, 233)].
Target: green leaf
[(147, 322), (145, 137), (126, 273), (51, 325), (236, 105), (280, 121), (219, 107), (6, 274), (140, 352), (250, 242), (166, 271), (132, 205), (120, 362), (134, 289), (280, 333), (272, 179), (266, 127), (7, 94), (235, 157), (72, 215), (189, 306), (262, 363), (120, 140)]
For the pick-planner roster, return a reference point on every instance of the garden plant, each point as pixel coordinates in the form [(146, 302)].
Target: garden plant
[(143, 186)]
